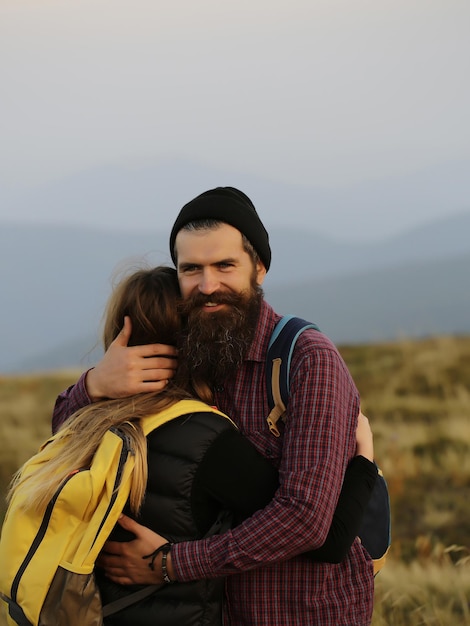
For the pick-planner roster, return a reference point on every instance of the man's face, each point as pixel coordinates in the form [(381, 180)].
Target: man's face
[(222, 297), (214, 262)]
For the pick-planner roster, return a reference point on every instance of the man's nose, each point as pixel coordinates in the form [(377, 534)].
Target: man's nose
[(209, 282)]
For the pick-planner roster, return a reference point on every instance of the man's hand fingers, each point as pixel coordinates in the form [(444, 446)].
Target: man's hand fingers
[(120, 580), (123, 338), (156, 350), (125, 371), (131, 525), (124, 562), (114, 548), (159, 367)]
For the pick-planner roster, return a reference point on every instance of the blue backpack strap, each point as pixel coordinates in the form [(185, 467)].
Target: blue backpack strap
[(375, 531), (280, 349)]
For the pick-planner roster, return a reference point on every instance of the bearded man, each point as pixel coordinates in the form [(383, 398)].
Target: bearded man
[(222, 254)]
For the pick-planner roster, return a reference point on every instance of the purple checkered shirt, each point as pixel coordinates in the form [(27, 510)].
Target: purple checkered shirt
[(269, 582)]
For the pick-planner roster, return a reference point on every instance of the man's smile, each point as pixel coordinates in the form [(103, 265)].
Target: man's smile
[(213, 306)]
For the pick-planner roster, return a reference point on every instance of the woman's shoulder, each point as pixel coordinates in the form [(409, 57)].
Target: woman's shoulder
[(198, 428)]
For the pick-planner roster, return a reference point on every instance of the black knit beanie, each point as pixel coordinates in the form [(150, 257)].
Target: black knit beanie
[(231, 206)]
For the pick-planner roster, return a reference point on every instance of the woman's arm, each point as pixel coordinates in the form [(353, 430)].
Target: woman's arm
[(235, 476), (243, 481)]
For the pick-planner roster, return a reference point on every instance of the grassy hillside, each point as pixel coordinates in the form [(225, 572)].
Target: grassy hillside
[(417, 396)]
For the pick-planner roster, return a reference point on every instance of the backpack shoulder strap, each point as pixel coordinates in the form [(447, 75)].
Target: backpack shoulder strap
[(278, 359), (375, 532), (183, 407)]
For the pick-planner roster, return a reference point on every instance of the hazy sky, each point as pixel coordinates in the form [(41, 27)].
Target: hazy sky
[(323, 92)]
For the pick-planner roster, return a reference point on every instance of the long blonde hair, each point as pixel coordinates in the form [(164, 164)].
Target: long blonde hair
[(150, 297)]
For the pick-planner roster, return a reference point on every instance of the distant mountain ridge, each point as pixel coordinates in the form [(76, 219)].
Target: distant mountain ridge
[(55, 281), (130, 195), (412, 300)]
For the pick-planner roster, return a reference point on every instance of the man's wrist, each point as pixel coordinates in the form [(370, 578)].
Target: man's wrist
[(167, 572), (91, 388), (170, 570), (165, 564)]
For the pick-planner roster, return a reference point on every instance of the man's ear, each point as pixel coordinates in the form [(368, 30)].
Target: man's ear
[(260, 273)]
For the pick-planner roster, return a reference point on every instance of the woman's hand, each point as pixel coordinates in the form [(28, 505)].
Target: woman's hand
[(124, 562), (364, 438)]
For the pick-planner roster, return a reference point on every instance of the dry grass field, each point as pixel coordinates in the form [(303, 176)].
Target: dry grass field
[(417, 397)]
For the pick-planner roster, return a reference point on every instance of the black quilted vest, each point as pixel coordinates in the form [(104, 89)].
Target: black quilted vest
[(177, 507)]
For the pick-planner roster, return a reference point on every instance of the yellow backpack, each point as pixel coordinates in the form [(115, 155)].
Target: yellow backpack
[(47, 560)]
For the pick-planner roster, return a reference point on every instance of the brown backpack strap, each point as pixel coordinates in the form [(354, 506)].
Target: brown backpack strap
[(279, 408)]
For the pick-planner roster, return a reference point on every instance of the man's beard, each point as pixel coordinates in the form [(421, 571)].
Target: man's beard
[(214, 345)]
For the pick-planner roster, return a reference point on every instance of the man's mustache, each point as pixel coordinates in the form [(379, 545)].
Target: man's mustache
[(199, 300)]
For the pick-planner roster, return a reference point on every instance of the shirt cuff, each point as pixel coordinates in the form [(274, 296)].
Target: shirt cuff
[(80, 394), (190, 560), (73, 398)]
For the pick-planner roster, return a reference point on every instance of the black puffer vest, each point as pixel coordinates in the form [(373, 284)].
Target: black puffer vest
[(177, 507)]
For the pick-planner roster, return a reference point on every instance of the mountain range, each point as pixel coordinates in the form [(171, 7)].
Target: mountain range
[(128, 195), (55, 280)]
